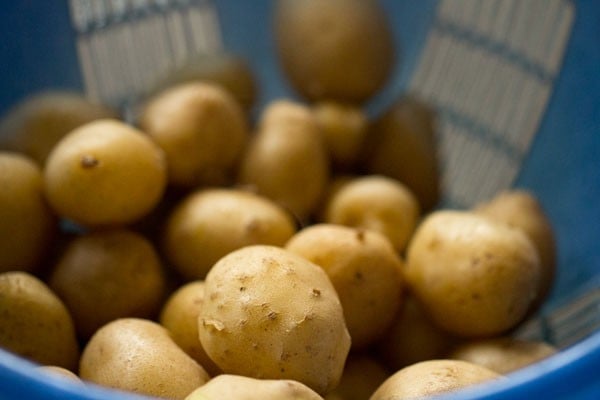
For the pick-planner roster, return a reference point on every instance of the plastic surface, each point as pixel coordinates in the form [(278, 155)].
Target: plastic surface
[(562, 168)]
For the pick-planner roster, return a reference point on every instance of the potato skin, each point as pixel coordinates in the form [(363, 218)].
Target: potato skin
[(35, 323), (105, 173), (378, 203), (365, 271), (180, 316), (263, 309), (235, 387), (474, 277), (339, 49), (412, 338), (138, 355), (520, 209), (402, 143), (210, 223), (106, 275), (362, 376), (28, 225), (202, 130), (503, 354), (287, 161), (38, 122), (428, 378)]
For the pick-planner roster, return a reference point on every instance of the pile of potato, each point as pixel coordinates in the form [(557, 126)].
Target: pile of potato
[(196, 253)]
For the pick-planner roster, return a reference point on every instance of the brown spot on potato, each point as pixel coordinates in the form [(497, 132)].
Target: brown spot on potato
[(89, 161)]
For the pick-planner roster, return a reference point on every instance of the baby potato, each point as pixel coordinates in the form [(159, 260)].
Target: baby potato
[(104, 173), (235, 387), (337, 49), (27, 226), (520, 209), (343, 128), (412, 338), (365, 272), (210, 223), (402, 144), (362, 376), (38, 122), (475, 277), (180, 316), (228, 70), (61, 372), (139, 356), (287, 160), (269, 313), (430, 378), (378, 203), (202, 130), (504, 354), (106, 275), (35, 323)]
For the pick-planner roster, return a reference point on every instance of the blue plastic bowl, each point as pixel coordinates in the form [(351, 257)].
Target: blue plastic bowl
[(560, 164)]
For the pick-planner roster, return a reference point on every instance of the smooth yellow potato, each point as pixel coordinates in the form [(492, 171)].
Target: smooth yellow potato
[(60, 372), (210, 223), (344, 128), (504, 354), (362, 376), (228, 70), (412, 338), (337, 49), (105, 173), (35, 323), (365, 271), (377, 203), (106, 275), (202, 130), (139, 356), (269, 313), (39, 121), (287, 160), (27, 225), (433, 377), (520, 209), (235, 387), (180, 316), (475, 277), (402, 144)]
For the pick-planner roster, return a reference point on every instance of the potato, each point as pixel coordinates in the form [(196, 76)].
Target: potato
[(228, 70), (38, 122), (377, 203), (433, 377), (35, 323), (269, 313), (365, 271), (105, 173), (60, 372), (402, 144), (106, 275), (339, 49), (503, 354), (475, 277), (202, 130), (343, 128), (287, 161), (27, 226), (235, 387), (362, 376), (137, 355), (210, 223), (412, 338), (520, 209), (180, 316)]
